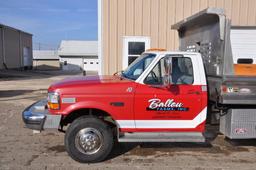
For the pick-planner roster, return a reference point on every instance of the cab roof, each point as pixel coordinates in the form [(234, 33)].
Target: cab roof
[(171, 52)]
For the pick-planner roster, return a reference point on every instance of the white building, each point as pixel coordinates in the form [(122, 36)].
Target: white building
[(79, 55), (45, 59)]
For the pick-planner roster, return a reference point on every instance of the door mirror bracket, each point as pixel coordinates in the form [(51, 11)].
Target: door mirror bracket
[(167, 80)]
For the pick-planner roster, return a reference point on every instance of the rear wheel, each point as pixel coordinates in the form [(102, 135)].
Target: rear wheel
[(88, 140)]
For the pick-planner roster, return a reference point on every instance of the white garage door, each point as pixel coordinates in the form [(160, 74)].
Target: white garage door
[(243, 43), (91, 64)]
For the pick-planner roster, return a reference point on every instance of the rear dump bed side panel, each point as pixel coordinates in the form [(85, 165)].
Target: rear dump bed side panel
[(242, 90)]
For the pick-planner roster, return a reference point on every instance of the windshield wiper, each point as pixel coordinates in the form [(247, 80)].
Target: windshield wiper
[(123, 74)]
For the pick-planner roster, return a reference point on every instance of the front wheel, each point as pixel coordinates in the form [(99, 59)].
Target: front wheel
[(89, 140)]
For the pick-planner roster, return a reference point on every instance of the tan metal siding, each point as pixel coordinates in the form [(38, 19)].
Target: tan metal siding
[(235, 12), (203, 4), (154, 18), (138, 17), (162, 26), (228, 8), (120, 32), (171, 20), (252, 12), (154, 23), (212, 3), (178, 16), (129, 21), (105, 38), (244, 12), (146, 18), (113, 36), (220, 4), (195, 6)]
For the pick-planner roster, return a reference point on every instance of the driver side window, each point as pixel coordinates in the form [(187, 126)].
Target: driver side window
[(182, 72)]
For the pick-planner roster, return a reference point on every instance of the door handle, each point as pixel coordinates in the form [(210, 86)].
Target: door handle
[(193, 92)]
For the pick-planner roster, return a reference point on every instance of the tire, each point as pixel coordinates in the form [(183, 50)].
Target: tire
[(81, 130)]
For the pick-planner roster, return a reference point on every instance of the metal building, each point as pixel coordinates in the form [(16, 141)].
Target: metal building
[(128, 27), (79, 55), (46, 60), (15, 48)]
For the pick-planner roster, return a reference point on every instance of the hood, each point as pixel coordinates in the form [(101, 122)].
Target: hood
[(91, 85)]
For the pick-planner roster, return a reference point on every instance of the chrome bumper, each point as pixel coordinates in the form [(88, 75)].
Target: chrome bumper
[(37, 117)]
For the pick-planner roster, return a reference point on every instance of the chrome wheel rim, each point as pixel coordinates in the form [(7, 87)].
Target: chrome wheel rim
[(88, 141)]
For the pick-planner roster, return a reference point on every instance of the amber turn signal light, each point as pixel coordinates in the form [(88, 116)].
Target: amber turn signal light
[(53, 106)]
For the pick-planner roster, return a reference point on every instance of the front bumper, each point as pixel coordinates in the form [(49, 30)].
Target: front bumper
[(37, 117)]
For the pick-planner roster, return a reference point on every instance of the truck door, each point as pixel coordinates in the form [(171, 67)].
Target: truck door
[(177, 107)]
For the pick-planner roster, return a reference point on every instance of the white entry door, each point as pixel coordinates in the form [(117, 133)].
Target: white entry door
[(26, 57), (133, 47)]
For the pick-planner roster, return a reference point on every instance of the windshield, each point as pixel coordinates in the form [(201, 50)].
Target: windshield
[(134, 70)]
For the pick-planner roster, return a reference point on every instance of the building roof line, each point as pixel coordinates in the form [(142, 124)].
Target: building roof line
[(15, 29)]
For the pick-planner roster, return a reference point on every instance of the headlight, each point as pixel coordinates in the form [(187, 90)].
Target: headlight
[(54, 101)]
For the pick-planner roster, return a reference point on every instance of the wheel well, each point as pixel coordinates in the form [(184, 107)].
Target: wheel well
[(90, 112)]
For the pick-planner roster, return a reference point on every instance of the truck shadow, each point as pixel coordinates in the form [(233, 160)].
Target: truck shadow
[(216, 146), (158, 149), (11, 93), (154, 149), (241, 142), (151, 148), (121, 148)]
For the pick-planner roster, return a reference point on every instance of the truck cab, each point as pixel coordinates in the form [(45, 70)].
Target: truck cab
[(169, 95)]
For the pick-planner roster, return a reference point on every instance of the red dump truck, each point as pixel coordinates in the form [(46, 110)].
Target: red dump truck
[(163, 96)]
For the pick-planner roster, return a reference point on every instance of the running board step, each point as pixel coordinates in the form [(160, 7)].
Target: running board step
[(162, 137)]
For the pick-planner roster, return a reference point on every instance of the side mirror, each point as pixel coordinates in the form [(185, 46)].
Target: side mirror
[(167, 71)]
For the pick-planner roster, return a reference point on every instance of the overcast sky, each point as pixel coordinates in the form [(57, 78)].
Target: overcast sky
[(51, 21)]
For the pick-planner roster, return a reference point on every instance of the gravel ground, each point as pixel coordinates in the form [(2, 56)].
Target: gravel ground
[(22, 149)]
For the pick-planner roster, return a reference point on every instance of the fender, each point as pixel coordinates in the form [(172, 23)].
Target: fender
[(90, 105)]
